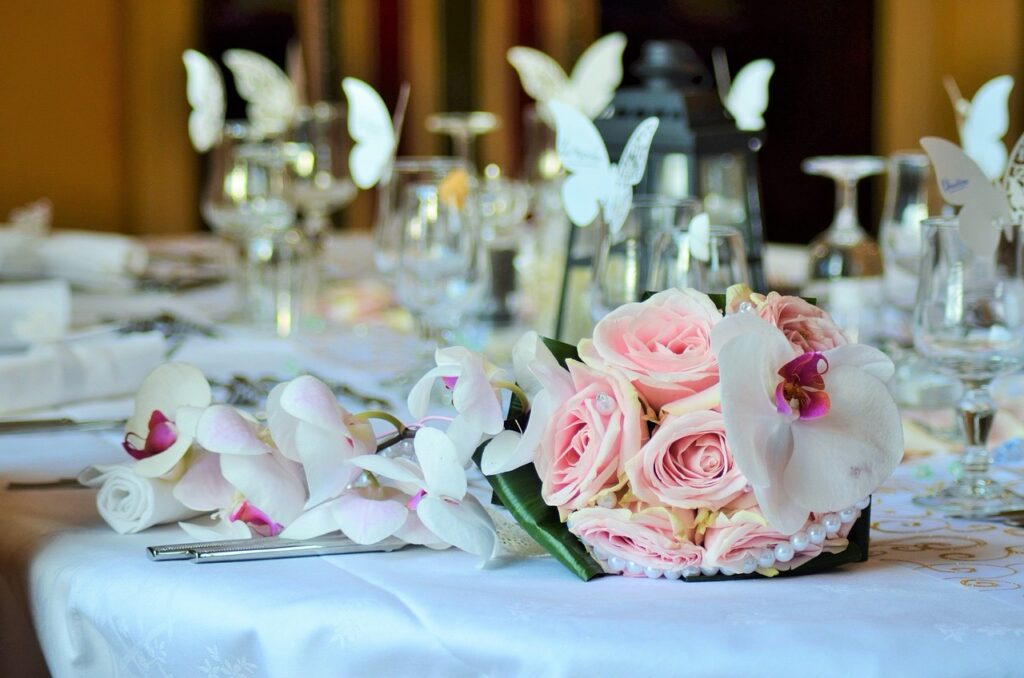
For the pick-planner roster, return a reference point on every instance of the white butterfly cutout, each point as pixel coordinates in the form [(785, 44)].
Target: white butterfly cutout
[(589, 89), (594, 181), (747, 98), (985, 207), (205, 91), (272, 98), (374, 131), (983, 122)]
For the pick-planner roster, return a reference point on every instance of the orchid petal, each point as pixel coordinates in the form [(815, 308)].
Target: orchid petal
[(325, 456), (504, 453), (224, 430), (203, 487), (308, 399), (167, 388), (413, 531), (282, 425), (840, 458), (708, 399), (466, 435), (464, 525), (443, 475), (866, 358), (315, 522), (419, 395), (782, 512), (367, 521), (475, 398), (267, 483), (217, 531), (405, 473), (528, 351)]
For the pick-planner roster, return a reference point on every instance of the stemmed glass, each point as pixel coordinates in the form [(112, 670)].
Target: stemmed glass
[(387, 226), (844, 250), (711, 267), (623, 264), (245, 200), (969, 321), (439, 275), (463, 128)]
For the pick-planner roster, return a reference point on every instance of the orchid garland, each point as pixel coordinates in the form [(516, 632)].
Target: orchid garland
[(683, 442)]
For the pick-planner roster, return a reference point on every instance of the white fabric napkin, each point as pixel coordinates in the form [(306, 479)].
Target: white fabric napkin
[(35, 311), (91, 258), (53, 374), (130, 503)]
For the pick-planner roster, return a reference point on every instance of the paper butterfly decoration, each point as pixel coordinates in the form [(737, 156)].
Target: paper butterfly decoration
[(205, 91), (272, 98), (747, 98), (699, 237), (984, 205), (589, 89), (373, 130), (983, 122), (594, 182)]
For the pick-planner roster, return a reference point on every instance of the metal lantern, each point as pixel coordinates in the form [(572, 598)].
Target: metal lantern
[(698, 151)]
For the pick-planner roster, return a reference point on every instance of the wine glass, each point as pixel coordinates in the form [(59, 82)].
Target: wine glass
[(387, 226), (711, 267), (463, 128), (245, 200), (504, 204), (623, 264), (439, 274), (317, 153), (969, 322)]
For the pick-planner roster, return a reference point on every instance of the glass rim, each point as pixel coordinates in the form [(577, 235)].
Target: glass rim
[(655, 200), (416, 162), (954, 222)]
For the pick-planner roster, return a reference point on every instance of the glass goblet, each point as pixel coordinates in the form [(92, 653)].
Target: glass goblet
[(711, 267), (463, 128), (969, 322), (439, 276), (387, 225)]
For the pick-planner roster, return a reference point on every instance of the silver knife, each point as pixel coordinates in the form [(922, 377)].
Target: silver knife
[(266, 548), (21, 426)]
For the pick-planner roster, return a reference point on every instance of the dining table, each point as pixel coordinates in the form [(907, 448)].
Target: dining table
[(937, 596)]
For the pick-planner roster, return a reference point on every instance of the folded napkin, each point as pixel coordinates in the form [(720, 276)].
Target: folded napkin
[(130, 503), (34, 311), (52, 374), (87, 258)]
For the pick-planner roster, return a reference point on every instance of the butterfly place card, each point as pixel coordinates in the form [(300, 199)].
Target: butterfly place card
[(205, 91), (983, 122), (588, 90), (373, 130), (271, 96), (596, 184), (986, 208), (746, 97)]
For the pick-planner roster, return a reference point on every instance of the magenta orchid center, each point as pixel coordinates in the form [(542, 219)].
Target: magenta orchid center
[(802, 389), (449, 382), (415, 499), (160, 436), (259, 521)]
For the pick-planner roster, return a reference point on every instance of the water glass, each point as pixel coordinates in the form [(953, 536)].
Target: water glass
[(711, 266)]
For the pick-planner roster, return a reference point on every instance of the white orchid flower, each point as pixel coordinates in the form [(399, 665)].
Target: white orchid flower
[(309, 426), (812, 432), (245, 479), (547, 384), (476, 394), (167, 409), (438, 489)]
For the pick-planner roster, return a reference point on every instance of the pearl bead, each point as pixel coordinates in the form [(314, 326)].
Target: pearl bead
[(848, 515), (832, 523), (615, 564), (652, 572), (784, 552), (634, 568), (746, 306), (799, 541), (606, 500), (708, 571), (599, 554), (691, 571), (604, 403), (749, 564), (726, 571), (673, 574), (766, 558), (863, 503), (816, 533)]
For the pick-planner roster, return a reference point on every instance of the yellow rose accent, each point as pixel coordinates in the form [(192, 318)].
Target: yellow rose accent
[(454, 188)]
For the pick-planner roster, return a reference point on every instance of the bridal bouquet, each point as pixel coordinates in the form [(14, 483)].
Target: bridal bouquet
[(684, 439)]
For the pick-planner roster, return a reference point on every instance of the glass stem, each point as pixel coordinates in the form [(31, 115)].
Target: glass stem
[(846, 200), (977, 410)]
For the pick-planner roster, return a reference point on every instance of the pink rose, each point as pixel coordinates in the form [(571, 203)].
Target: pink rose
[(687, 464), (732, 541), (654, 537), (589, 436), (662, 345), (807, 327)]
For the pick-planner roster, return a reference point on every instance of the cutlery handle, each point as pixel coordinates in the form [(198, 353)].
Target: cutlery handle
[(23, 426), (296, 549)]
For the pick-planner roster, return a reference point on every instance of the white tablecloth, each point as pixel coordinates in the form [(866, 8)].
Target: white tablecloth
[(939, 597)]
